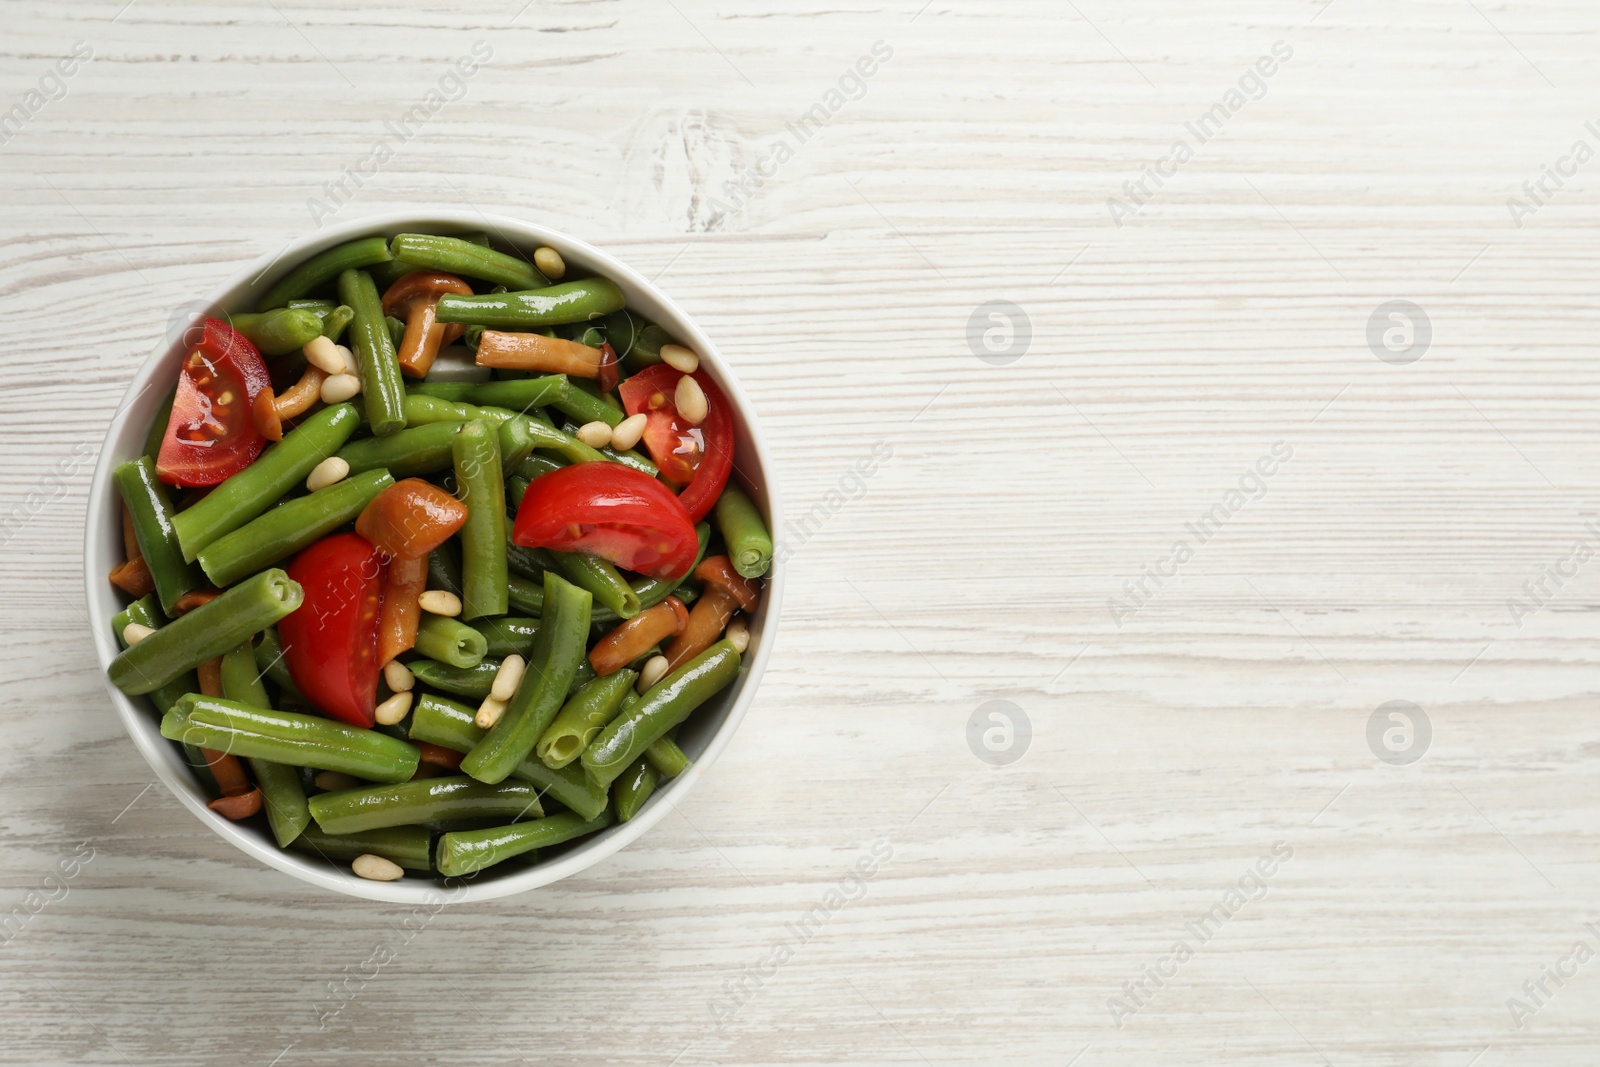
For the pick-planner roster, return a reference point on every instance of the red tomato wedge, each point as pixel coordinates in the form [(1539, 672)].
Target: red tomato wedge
[(330, 643), (699, 457), (610, 511), (211, 435)]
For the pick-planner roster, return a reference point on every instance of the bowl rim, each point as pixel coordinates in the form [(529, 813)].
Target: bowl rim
[(438, 891)]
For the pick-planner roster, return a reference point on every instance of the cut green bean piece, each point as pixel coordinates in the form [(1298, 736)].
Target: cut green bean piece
[(531, 563), (406, 846), (450, 641), (634, 788), (381, 388), (320, 306), (602, 580), (666, 757), (323, 268), (152, 515), (206, 632), (281, 792), (158, 428), (525, 596), (290, 738), (336, 321), (263, 483), (559, 649), (449, 724), (454, 255), (482, 488), (146, 612), (289, 527), (583, 406), (280, 331), (519, 394), (411, 452), (352, 811), (473, 682), (466, 851), (575, 301), (744, 532), (508, 635), (665, 705), (444, 568), (582, 717), (269, 661)]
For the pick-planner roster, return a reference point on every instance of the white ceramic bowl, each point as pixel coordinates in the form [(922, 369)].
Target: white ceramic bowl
[(703, 737)]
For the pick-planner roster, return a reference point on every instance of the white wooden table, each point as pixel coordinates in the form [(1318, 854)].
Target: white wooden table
[(1178, 336)]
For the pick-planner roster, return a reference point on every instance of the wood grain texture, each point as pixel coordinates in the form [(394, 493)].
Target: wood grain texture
[(1168, 354)]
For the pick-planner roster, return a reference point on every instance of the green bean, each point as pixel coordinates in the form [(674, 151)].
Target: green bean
[(450, 641), (444, 569), (519, 436), (584, 675), (449, 724), (583, 406), (422, 410), (263, 483), (289, 527), (574, 301), (323, 268), (158, 428), (559, 648), (508, 635), (455, 392), (482, 489), (621, 329), (206, 632), (456, 256), (652, 591), (317, 304), (666, 757), (518, 394), (629, 458), (665, 705), (419, 450), (146, 612), (516, 489), (151, 509), (634, 788), (536, 465), (584, 714), (352, 811), (407, 846), (466, 851), (524, 596), (269, 661), (279, 331), (381, 388), (474, 681), (744, 531), (288, 737), (281, 793), (397, 331), (335, 322), (531, 563), (602, 580)]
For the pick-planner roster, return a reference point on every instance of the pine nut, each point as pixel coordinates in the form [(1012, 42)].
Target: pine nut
[(376, 869), (507, 678), (133, 633), (489, 713), (626, 434), (349, 357), (324, 355), (338, 388), (399, 676), (680, 358), (328, 472), (440, 602), (394, 709), (654, 669), (595, 434), (329, 781), (690, 400), (549, 262), (738, 635)]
